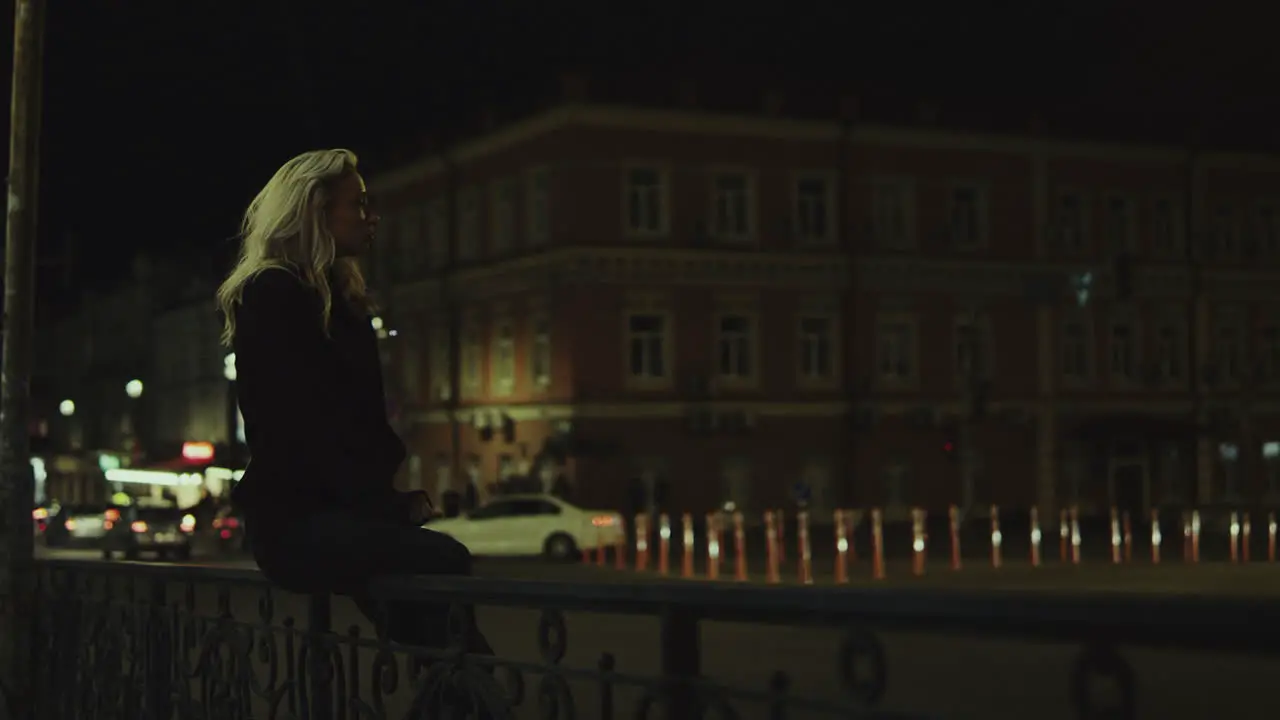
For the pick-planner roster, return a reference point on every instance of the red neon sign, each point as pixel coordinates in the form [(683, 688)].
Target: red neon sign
[(197, 451)]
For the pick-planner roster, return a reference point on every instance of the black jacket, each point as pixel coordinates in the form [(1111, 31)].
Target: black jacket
[(313, 406)]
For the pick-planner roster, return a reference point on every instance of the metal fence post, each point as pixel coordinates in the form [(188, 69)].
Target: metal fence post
[(681, 662), (320, 664), (160, 669)]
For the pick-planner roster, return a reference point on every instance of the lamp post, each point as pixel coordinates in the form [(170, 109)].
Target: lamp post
[(133, 390), (17, 484)]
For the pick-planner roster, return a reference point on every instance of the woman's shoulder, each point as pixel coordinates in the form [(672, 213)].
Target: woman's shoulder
[(276, 296), (275, 284)]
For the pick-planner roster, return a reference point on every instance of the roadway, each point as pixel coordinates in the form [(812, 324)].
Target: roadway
[(943, 676)]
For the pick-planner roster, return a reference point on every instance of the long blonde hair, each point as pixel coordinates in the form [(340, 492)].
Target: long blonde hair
[(285, 227)]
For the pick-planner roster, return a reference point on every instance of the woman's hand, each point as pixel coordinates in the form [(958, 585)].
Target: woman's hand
[(419, 507)]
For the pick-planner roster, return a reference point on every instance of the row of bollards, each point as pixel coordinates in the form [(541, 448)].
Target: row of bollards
[(845, 521)]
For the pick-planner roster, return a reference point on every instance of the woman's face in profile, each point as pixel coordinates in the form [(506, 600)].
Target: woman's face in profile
[(351, 221)]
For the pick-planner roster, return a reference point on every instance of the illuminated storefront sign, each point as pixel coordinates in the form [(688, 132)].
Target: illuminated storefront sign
[(154, 477), (197, 451)]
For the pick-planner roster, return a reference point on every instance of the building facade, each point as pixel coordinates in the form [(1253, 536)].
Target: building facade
[(84, 415), (681, 309), (192, 392)]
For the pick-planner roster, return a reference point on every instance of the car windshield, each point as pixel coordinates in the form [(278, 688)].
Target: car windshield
[(524, 507), (80, 510)]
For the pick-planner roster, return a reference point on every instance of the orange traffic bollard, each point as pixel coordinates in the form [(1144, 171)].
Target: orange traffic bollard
[(1075, 535), (1234, 530), (1155, 537), (713, 546), (1271, 537), (739, 548), (1035, 537), (620, 549), (919, 541), (1195, 536), (997, 540), (953, 520), (686, 545), (771, 547), (842, 548), (1064, 536), (664, 544), (1126, 530), (782, 536), (1186, 536), (1115, 536), (877, 545), (802, 547), (642, 542), (1246, 534)]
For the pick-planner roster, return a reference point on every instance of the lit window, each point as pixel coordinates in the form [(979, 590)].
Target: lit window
[(504, 358), (540, 352)]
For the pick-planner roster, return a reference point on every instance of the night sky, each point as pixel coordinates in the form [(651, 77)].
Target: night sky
[(163, 118)]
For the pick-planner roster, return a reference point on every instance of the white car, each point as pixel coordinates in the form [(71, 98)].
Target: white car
[(527, 525)]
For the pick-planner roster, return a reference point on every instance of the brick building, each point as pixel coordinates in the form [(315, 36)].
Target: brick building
[(682, 308)]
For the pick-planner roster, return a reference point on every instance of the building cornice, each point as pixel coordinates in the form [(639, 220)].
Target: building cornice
[(694, 122), (1178, 406), (636, 266), (918, 275)]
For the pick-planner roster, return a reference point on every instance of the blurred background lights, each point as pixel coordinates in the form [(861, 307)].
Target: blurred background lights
[(229, 367)]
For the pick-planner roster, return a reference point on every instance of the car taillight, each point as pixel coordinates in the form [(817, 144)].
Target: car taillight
[(604, 521), (138, 526), (188, 523), (225, 534), (70, 524), (112, 515)]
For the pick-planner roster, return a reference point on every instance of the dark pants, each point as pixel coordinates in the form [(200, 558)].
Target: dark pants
[(337, 552)]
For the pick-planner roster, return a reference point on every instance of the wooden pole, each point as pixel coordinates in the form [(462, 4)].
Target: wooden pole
[(17, 571)]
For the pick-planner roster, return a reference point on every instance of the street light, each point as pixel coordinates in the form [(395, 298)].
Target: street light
[(67, 408), (133, 389)]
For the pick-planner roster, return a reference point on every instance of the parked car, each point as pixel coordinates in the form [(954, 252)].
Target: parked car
[(133, 530), (531, 525), (41, 516), (75, 526), (228, 532)]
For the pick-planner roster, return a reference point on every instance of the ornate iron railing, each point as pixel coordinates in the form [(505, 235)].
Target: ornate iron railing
[(158, 641)]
